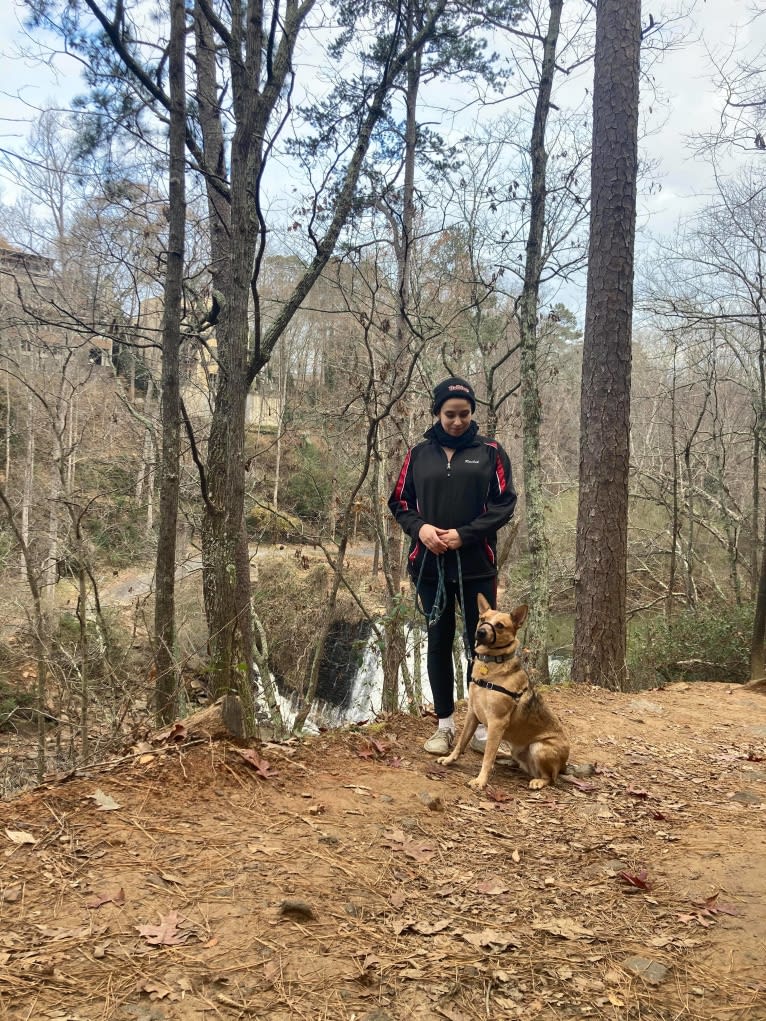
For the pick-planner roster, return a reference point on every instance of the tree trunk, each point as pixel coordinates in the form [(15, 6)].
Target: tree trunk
[(166, 692), (395, 643), (231, 261), (258, 81), (40, 641), (602, 520), (674, 522), (29, 475), (758, 641), (539, 589), (82, 614)]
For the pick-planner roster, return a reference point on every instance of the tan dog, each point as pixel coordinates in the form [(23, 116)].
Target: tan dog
[(501, 697)]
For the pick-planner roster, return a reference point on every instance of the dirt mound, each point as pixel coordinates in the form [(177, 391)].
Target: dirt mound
[(349, 876)]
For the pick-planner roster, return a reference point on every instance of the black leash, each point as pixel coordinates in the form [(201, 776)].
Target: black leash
[(440, 600)]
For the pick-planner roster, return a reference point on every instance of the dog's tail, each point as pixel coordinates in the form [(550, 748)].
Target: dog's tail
[(758, 684)]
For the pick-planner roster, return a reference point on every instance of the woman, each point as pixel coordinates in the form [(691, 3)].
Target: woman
[(453, 493)]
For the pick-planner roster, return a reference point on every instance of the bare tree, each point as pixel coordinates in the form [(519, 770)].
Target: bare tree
[(600, 573), (164, 611)]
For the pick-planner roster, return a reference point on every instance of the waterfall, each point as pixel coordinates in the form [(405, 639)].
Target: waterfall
[(357, 696), (363, 695)]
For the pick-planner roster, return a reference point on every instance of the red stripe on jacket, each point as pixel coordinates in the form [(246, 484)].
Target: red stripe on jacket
[(500, 471), (401, 480)]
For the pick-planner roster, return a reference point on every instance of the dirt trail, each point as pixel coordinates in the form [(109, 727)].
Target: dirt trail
[(353, 878)]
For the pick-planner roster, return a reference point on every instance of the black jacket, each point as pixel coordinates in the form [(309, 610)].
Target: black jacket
[(473, 493)]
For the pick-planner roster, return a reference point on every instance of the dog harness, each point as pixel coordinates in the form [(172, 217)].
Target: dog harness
[(515, 695)]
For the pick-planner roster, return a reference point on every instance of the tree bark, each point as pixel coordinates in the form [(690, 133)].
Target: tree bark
[(599, 647), (539, 589), (166, 691)]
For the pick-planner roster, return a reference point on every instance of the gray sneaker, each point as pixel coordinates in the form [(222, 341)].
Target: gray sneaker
[(440, 743), (478, 744)]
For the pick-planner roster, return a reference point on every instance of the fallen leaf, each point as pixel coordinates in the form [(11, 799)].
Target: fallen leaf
[(492, 887), (498, 794), (20, 837), (398, 840), (106, 898), (634, 793), (431, 928), (394, 837), (415, 973), (261, 766), (176, 733), (567, 928), (368, 961), (711, 905), (640, 880), (686, 919), (104, 801), (156, 990), (490, 939), (166, 933), (451, 1013), (418, 852)]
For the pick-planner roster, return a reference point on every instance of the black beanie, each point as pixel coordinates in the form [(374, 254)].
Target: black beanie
[(453, 387)]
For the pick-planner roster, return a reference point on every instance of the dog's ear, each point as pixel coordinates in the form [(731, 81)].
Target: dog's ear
[(483, 604), (519, 615)]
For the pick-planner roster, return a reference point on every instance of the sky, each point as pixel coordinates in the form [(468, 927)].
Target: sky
[(718, 30), (687, 102)]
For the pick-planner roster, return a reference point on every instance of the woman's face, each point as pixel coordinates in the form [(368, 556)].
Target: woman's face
[(455, 416)]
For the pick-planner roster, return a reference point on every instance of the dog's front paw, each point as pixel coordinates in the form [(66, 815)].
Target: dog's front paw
[(446, 760), (537, 785), (477, 783)]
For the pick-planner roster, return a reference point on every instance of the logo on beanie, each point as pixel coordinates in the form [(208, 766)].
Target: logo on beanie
[(457, 386)]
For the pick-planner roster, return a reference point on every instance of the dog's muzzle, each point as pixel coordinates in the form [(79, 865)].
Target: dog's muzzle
[(485, 634)]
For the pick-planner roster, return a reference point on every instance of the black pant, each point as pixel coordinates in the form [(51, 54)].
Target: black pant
[(441, 634)]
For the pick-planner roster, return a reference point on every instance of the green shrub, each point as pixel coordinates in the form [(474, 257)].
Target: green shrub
[(118, 531), (307, 490), (267, 525), (10, 700), (710, 644), (7, 546)]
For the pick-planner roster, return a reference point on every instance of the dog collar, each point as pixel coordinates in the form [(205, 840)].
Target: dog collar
[(515, 695), (493, 659)]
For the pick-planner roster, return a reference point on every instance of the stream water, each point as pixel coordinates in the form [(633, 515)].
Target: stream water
[(360, 698)]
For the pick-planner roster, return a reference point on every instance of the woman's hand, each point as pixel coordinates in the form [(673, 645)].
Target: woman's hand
[(432, 539), (450, 537)]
